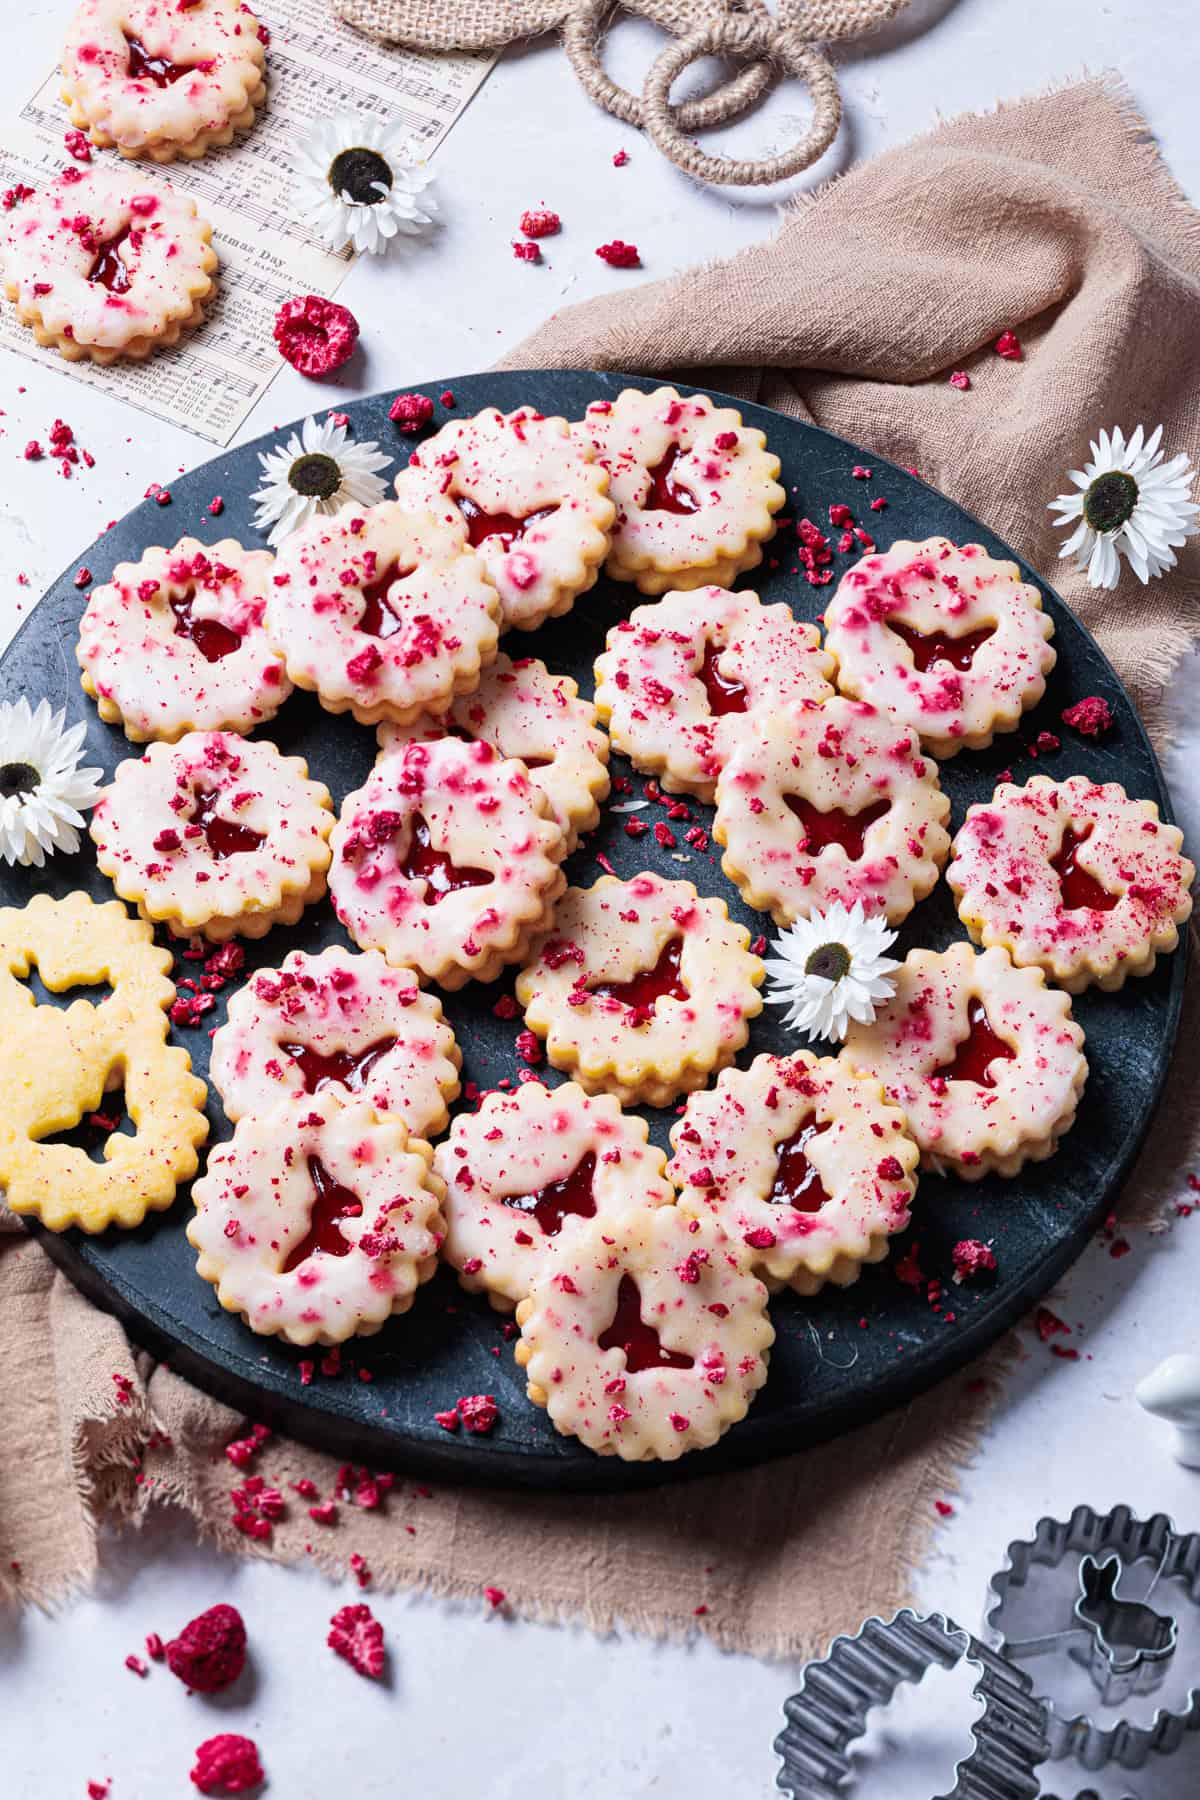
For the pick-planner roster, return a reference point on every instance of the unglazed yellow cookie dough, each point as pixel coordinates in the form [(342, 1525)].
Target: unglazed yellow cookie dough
[(647, 1337), (695, 489), (642, 989), (984, 1058), (801, 1160), (1072, 877), (679, 677), (534, 499), (943, 637)]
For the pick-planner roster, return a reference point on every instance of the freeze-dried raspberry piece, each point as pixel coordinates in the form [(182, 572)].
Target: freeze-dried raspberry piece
[(619, 255), (961, 380), (972, 1257), (525, 251), (411, 411), (227, 1764), (540, 222), (210, 1652), (478, 1412), (1008, 345), (314, 334), (1090, 717), (357, 1636)]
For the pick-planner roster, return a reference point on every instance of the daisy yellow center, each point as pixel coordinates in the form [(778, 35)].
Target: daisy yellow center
[(17, 778), (358, 175), (830, 961), (316, 476), (1110, 501)]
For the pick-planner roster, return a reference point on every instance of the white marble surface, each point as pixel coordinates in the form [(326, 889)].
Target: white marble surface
[(484, 1705)]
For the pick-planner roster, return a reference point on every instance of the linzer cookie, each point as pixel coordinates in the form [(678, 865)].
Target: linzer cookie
[(1072, 877), (215, 834), (830, 805), (642, 989), (647, 1336), (803, 1162), (525, 1173), (983, 1057), (175, 642), (679, 677), (161, 78), (943, 637), (694, 488), (104, 264), (535, 503)]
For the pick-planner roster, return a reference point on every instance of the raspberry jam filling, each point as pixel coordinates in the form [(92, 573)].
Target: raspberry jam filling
[(109, 268), (981, 1047), (225, 839), (332, 1202), (349, 1067), (835, 826), (642, 991), (725, 692), (506, 526), (440, 873), (938, 646), (142, 66), (379, 619), (551, 1204), (797, 1183), (1079, 889), (628, 1331), (666, 494), (212, 639)]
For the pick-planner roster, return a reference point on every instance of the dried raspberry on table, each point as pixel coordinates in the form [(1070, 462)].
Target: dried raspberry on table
[(411, 411), (1008, 345), (619, 255), (1091, 717), (227, 1764), (210, 1652), (357, 1636), (540, 222), (315, 335)]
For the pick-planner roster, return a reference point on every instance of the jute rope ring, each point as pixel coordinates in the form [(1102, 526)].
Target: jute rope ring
[(583, 31)]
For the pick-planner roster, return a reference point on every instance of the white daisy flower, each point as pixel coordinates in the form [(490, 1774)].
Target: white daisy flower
[(1130, 503), (359, 185), (43, 791), (318, 470), (830, 969)]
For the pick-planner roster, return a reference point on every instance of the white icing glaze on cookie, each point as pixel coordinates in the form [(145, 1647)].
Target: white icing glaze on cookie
[(680, 677), (536, 504), (175, 642), (833, 804), (283, 1191), (940, 591), (694, 488), (1073, 877), (341, 1022)]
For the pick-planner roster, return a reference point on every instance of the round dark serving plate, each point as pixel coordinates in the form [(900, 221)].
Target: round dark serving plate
[(828, 1370)]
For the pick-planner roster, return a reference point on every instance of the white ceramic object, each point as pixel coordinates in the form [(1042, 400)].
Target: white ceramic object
[(1172, 1392)]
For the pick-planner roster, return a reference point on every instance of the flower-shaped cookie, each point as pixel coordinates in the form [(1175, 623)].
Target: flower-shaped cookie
[(535, 502), (216, 834), (175, 642), (643, 989), (59, 1067), (1073, 877), (105, 265), (944, 637), (525, 1172), (828, 805), (646, 1336), (680, 676), (984, 1058), (803, 1162), (695, 489), (383, 611), (446, 861), (522, 710), (317, 1224), (157, 78), (337, 1022)]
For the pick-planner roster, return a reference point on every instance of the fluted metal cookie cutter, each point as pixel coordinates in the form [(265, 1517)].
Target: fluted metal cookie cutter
[(829, 1711)]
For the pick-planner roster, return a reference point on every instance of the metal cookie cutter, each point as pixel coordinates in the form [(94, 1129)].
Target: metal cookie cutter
[(1127, 1646), (829, 1712)]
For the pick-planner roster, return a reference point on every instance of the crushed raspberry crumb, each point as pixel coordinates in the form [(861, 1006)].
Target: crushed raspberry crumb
[(314, 334), (136, 1666), (98, 1790), (478, 1412), (78, 145), (960, 380), (944, 1509), (1008, 346), (215, 507), (525, 251), (859, 473), (970, 1258), (540, 222), (210, 1652), (620, 159), (619, 255), (1091, 717), (227, 1764), (449, 1421), (1047, 1324), (411, 412), (82, 577), (357, 1636)]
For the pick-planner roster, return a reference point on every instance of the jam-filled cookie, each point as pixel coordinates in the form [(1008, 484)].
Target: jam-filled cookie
[(175, 642), (215, 834), (534, 500), (643, 989), (944, 637), (525, 1172), (163, 78), (318, 1224), (647, 1336), (522, 710), (383, 611), (446, 860), (803, 1162), (830, 805), (679, 676), (1073, 877), (105, 265), (337, 1022), (695, 489), (983, 1057)]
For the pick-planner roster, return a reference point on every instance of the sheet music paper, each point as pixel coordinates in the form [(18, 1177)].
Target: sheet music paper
[(315, 67)]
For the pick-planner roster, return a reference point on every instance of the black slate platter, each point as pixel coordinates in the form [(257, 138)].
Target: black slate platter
[(839, 1359)]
